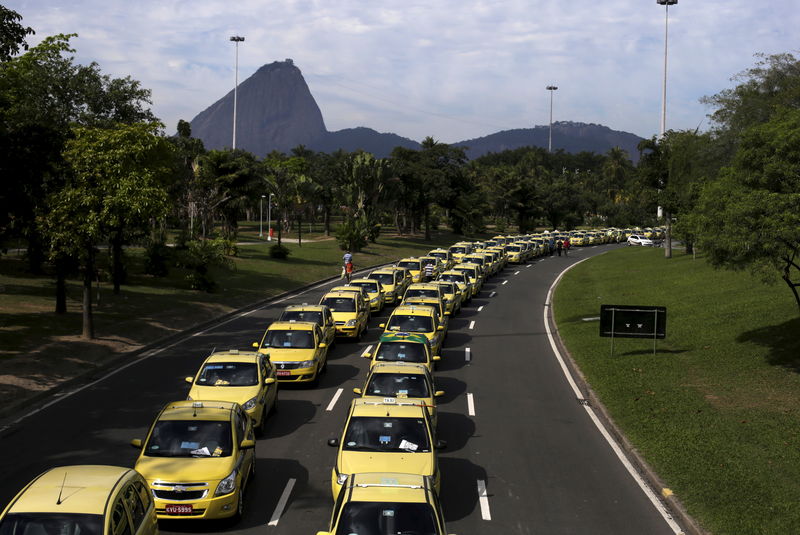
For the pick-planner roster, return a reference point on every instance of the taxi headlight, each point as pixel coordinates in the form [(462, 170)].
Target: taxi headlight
[(306, 364), (250, 404), (351, 323), (341, 479), (189, 398), (227, 485)]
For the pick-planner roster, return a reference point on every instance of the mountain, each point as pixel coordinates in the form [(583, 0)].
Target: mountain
[(276, 111)]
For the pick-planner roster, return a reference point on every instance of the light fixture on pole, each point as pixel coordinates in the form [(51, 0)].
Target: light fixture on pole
[(666, 4), (269, 216), (236, 39), (261, 217), (551, 88)]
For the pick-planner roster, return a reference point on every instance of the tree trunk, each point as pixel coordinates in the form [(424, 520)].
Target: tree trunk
[(668, 237), (117, 273), (689, 247), (299, 230), (397, 222), (61, 287), (88, 319), (427, 224), (327, 221)]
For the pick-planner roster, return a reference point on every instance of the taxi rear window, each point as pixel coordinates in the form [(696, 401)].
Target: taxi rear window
[(400, 352), (414, 324)]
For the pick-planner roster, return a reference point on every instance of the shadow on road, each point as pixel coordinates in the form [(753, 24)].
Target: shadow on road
[(455, 428), (459, 487)]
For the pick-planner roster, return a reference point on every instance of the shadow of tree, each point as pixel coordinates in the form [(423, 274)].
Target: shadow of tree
[(782, 342)]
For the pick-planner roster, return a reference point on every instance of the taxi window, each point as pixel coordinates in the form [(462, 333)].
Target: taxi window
[(369, 286), (144, 494), (46, 523), (409, 264), (228, 374), (120, 525), (409, 385), (295, 339), (383, 278), (414, 324), (240, 422), (386, 434), (189, 438), (401, 352), (314, 316), (386, 517), (422, 292), (340, 304), (135, 506)]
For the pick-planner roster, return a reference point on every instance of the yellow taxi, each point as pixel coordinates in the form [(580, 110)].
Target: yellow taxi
[(390, 282), (480, 260), (403, 347), (82, 499), (375, 295), (418, 320), (474, 272), (452, 296), (437, 303), (246, 377), (437, 268), (385, 436), (461, 280), (198, 458), (319, 314), (443, 255), (516, 254), (405, 281), (357, 290), (423, 289), (460, 249), (502, 256), (296, 350), (405, 381), (414, 266), (350, 313), (387, 503)]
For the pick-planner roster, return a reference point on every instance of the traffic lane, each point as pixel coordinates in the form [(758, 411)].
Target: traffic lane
[(549, 469)]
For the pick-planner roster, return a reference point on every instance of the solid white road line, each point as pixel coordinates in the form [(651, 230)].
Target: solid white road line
[(480, 308), (516, 273), (472, 324), (483, 499), (276, 516), (467, 354), (505, 282), (470, 405), (335, 399), (492, 294), (660, 507), (367, 350)]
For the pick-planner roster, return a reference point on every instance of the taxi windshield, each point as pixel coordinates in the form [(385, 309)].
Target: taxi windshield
[(386, 434), (289, 339), (441, 255), (399, 385), (422, 292), (469, 272), (302, 315), (409, 264), (383, 278), (51, 524), (450, 277), (513, 248), (340, 304), (189, 438), (401, 352), (228, 374), (447, 289), (413, 324), (381, 518), (458, 250), (368, 286)]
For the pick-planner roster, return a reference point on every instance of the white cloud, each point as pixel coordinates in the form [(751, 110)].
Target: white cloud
[(451, 69)]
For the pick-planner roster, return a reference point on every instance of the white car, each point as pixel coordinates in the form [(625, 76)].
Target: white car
[(635, 239)]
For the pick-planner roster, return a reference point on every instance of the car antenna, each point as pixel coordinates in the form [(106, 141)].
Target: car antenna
[(61, 490), (213, 350)]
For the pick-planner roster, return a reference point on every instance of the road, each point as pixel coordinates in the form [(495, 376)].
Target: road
[(511, 420)]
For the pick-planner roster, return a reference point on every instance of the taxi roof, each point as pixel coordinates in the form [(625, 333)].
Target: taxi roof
[(452, 271), (389, 487), (233, 355), (398, 409), (199, 410), (403, 337), (400, 367), (306, 306), (423, 286), (292, 325), (364, 279), (417, 310), (346, 288), (82, 489), (348, 294)]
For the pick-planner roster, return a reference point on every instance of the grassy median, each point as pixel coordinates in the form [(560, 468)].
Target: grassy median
[(714, 411), (39, 349)]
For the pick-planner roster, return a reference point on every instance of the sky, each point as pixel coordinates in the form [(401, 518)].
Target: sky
[(449, 69)]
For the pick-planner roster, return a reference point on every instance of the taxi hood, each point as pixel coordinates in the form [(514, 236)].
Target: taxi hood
[(238, 394), (344, 316), (353, 462), (185, 469), (287, 354)]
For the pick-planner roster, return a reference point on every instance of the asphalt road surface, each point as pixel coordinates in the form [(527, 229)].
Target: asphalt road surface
[(523, 455)]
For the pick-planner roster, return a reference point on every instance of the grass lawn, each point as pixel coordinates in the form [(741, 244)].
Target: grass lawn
[(39, 349), (715, 410)]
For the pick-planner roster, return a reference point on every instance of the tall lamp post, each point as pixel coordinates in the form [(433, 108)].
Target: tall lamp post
[(261, 217), (551, 88), (269, 216), (667, 215), (236, 39)]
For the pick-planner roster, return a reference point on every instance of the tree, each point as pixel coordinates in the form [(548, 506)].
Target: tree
[(114, 186), (750, 215), (12, 34)]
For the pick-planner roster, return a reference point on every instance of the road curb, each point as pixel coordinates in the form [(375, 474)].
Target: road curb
[(35, 401), (673, 504)]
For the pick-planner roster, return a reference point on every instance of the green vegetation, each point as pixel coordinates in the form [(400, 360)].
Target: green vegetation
[(714, 411)]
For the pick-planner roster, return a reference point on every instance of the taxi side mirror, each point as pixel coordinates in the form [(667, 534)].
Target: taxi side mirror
[(137, 443), (367, 355), (357, 391), (269, 381), (189, 380), (447, 313), (247, 444), (437, 358), (438, 393), (255, 345), (333, 442), (323, 345), (382, 325), (440, 328)]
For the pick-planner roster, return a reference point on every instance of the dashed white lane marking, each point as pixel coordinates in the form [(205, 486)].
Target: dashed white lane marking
[(472, 324), (505, 282), (492, 294), (660, 507), (335, 399), (483, 499), (200, 333), (529, 265), (243, 314), (276, 516), (467, 354), (470, 405), (367, 350), (480, 308), (515, 273)]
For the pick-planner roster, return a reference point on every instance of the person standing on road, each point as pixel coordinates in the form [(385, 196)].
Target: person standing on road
[(566, 246), (347, 258), (348, 271), (429, 272), (552, 246), (559, 245)]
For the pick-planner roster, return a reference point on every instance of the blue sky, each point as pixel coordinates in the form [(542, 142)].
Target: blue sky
[(450, 69)]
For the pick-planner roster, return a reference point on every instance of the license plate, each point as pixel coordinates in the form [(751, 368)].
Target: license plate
[(283, 373), (178, 509)]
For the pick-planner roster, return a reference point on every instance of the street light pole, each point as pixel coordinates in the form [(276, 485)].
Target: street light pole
[(551, 88), (269, 217), (236, 39), (261, 217), (666, 4)]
